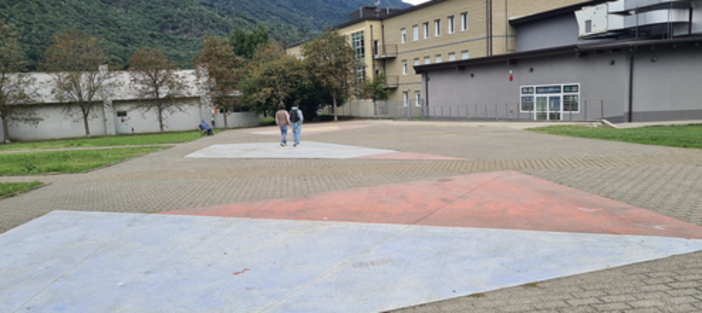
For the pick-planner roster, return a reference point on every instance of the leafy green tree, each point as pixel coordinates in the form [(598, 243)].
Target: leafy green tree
[(219, 71), (17, 90), (247, 43), (332, 62), (157, 84), (78, 66), (272, 75), (375, 90)]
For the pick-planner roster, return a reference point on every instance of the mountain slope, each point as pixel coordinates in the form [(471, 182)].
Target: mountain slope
[(175, 26), (310, 14)]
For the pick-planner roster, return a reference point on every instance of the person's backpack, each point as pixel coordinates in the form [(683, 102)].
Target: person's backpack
[(294, 116)]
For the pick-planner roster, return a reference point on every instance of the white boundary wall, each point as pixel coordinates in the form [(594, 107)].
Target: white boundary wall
[(57, 124)]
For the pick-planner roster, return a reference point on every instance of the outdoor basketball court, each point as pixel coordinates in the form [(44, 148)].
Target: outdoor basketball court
[(360, 250)]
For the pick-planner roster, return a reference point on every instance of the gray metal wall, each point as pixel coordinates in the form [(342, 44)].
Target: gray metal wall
[(547, 33), (669, 88), (553, 32), (598, 78)]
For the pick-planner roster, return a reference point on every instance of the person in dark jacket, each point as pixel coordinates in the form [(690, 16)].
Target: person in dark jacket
[(205, 128), (297, 118)]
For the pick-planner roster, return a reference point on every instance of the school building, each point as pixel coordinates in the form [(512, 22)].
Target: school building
[(624, 61), (394, 41)]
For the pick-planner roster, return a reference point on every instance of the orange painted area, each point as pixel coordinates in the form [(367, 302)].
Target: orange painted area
[(500, 200), (410, 156)]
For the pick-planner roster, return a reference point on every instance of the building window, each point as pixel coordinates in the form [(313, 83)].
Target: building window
[(359, 47), (527, 103), (437, 28), (438, 58), (404, 35), (452, 57), (404, 67), (358, 44), (451, 25), (464, 21), (416, 62), (405, 97), (426, 30), (417, 98), (427, 60), (415, 31), (361, 73), (464, 55)]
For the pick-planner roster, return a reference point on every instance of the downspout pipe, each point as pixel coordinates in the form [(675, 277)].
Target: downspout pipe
[(426, 90), (372, 54), (631, 85)]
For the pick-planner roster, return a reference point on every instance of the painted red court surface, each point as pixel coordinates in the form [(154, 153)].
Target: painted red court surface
[(499, 200)]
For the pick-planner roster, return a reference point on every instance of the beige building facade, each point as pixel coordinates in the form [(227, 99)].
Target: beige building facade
[(394, 41)]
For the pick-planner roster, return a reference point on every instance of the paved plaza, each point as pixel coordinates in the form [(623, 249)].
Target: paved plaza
[(406, 216)]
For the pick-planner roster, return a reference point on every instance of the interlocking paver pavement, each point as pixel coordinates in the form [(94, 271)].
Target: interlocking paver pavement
[(661, 179)]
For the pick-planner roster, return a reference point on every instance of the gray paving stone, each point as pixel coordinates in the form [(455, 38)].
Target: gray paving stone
[(661, 179)]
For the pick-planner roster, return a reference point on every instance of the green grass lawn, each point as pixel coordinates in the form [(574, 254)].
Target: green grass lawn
[(16, 164), (687, 136), (13, 189), (123, 140)]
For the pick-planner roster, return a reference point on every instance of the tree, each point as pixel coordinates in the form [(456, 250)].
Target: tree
[(219, 70), (157, 85), (245, 44), (272, 75), (332, 61), (375, 90), (78, 65), (17, 90)]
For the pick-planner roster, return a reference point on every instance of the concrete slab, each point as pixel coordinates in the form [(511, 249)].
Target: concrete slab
[(503, 200), (307, 150), (97, 262)]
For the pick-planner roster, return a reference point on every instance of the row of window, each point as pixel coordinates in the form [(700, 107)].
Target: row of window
[(437, 59), (417, 98), (551, 98), (451, 24)]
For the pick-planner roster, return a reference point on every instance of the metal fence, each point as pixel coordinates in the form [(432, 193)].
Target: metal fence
[(585, 110), (380, 109)]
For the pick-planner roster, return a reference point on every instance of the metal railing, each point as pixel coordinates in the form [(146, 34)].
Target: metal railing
[(583, 111), (385, 52), (392, 82)]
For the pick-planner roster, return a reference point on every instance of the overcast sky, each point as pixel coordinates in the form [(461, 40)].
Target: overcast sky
[(415, 2)]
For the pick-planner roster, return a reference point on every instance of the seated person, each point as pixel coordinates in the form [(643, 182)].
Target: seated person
[(205, 128)]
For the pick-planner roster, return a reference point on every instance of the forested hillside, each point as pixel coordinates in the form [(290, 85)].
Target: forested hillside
[(175, 26)]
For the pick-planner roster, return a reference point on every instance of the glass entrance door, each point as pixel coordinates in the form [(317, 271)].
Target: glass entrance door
[(549, 108), (555, 108), (541, 109)]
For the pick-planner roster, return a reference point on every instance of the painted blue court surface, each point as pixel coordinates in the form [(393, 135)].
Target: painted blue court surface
[(99, 262)]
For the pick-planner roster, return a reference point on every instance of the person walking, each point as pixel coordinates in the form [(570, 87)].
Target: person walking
[(282, 119), (296, 118)]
